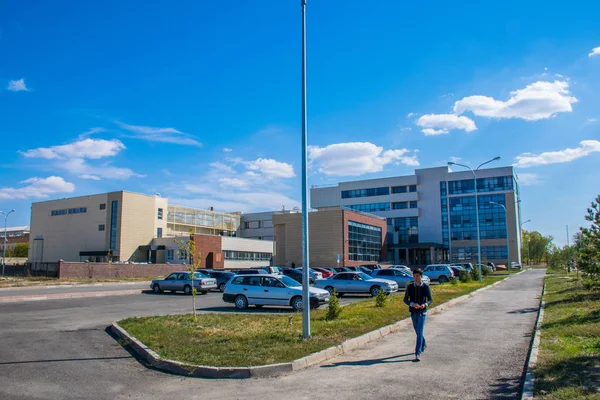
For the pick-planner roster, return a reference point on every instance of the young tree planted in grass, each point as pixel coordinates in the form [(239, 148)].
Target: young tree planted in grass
[(381, 299), (588, 260), (464, 276), (334, 309), (195, 261)]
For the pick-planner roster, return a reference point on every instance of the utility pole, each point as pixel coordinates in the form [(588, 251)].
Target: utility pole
[(5, 239)]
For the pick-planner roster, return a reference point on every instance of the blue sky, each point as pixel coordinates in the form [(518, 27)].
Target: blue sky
[(199, 101)]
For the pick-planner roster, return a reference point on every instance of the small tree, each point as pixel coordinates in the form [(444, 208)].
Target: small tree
[(334, 309), (475, 273), (588, 259), (464, 276), (189, 247), (381, 299)]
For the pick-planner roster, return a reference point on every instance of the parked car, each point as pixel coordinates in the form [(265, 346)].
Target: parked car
[(438, 272), (466, 266), (456, 269), (296, 275), (182, 282), (326, 273), (222, 277), (492, 266), (371, 266), (313, 273), (402, 267), (516, 265), (400, 276), (273, 270), (342, 269), (357, 282), (250, 271), (270, 290)]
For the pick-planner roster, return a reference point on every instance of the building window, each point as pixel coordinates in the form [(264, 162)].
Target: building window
[(413, 204), (170, 254), (114, 210), (58, 212), (487, 253), (159, 233), (401, 205), (412, 188), (400, 189), (246, 225), (405, 229), (246, 255), (77, 210), (463, 218), (371, 207), (160, 213), (364, 242), (101, 227), (103, 206), (350, 194), (495, 184)]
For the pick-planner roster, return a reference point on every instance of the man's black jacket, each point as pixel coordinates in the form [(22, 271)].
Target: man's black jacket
[(417, 295)]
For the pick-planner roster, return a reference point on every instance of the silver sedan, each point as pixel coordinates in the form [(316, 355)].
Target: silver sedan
[(400, 276), (357, 282), (182, 282)]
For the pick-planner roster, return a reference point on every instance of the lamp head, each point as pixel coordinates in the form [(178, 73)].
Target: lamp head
[(496, 158), (451, 163)]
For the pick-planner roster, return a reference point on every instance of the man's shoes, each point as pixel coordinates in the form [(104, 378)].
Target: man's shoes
[(417, 358)]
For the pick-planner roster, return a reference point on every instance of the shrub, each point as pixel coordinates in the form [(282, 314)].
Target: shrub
[(453, 280), (334, 309), (464, 276), (485, 271), (381, 299), (475, 273)]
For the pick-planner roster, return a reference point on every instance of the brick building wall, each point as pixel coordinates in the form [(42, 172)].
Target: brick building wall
[(210, 249), (68, 270)]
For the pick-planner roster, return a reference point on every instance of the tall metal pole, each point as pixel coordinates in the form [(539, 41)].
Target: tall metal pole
[(305, 262), (5, 239), (508, 265), (449, 223)]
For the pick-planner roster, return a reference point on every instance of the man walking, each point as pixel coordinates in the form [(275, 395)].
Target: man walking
[(418, 297)]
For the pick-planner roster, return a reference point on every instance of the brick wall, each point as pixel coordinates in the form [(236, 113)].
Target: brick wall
[(104, 270), (209, 248)]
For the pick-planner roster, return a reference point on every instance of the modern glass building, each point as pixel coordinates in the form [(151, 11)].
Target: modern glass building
[(431, 215)]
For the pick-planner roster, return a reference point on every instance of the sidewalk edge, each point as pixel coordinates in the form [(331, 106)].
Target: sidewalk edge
[(527, 392)]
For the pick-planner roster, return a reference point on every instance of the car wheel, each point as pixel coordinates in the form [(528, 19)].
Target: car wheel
[(443, 279), (156, 288), (330, 290), (374, 290), (187, 289), (222, 287), (241, 303), (296, 303)]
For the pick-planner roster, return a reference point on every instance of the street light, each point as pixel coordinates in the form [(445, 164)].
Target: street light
[(506, 222), (476, 208), (523, 223), (4, 249), (305, 262)]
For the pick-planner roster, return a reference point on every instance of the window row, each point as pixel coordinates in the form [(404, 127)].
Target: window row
[(258, 224), (404, 189), (350, 194), (494, 184), (401, 205), (373, 207), (66, 211), (487, 253), (246, 255)]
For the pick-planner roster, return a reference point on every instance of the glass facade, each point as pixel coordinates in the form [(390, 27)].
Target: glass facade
[(364, 242), (246, 255), (114, 210), (371, 207), (487, 253), (484, 185), (401, 205), (407, 229), (492, 219), (400, 189), (350, 194)]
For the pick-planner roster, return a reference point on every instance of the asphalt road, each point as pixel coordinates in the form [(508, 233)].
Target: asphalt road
[(42, 290), (477, 350)]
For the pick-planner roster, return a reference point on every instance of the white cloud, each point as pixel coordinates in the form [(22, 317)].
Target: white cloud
[(37, 188), (455, 159), (86, 148), (84, 170), (527, 179), (536, 101), (586, 147), (222, 167), (227, 150), (90, 132), (595, 52), (17, 86), (357, 158), (410, 114), (438, 124), (233, 182), (163, 135), (271, 168), (239, 201)]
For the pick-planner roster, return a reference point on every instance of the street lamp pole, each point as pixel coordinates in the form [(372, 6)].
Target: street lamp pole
[(506, 223), (521, 231), (305, 261), (4, 248), (476, 207)]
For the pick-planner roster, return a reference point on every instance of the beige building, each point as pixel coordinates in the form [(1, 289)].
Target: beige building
[(117, 225)]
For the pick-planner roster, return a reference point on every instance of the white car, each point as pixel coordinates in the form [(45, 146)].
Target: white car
[(357, 282), (438, 272), (270, 290), (402, 267)]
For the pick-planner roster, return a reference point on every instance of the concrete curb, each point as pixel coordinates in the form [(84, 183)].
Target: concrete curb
[(61, 296), (202, 371), (527, 393), (76, 285)]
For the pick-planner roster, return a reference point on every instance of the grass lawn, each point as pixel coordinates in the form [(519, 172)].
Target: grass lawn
[(568, 365), (43, 281), (232, 339)]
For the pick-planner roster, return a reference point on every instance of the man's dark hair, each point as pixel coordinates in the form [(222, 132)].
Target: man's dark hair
[(418, 271)]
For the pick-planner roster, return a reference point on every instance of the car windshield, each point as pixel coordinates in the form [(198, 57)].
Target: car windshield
[(287, 281), (199, 275), (364, 276)]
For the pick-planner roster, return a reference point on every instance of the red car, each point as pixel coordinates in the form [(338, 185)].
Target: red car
[(326, 273)]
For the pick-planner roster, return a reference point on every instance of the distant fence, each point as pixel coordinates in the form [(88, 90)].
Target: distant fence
[(48, 270), (68, 269)]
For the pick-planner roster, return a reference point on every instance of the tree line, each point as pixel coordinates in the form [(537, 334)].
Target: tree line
[(19, 251)]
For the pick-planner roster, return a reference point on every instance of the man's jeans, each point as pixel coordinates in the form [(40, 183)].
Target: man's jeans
[(418, 320)]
